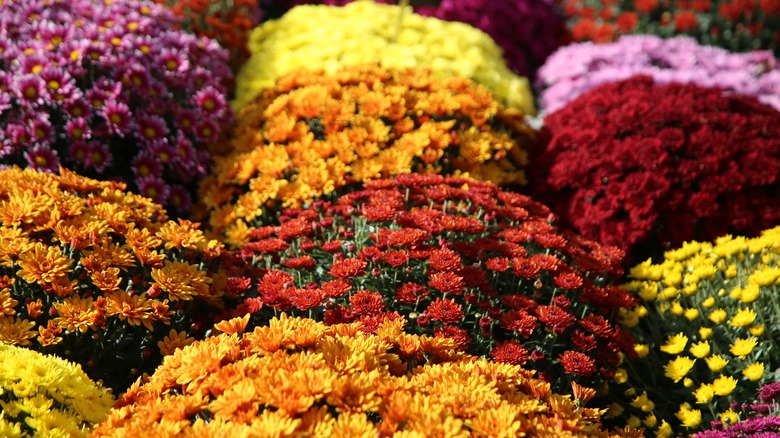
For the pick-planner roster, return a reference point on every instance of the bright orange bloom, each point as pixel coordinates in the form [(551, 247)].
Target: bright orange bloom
[(43, 264)]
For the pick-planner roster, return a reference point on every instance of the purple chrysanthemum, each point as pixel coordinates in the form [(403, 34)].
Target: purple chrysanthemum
[(116, 80)]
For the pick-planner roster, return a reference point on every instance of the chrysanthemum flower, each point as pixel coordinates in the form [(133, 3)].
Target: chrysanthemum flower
[(418, 247), (99, 276), (312, 135), (93, 85), (296, 376)]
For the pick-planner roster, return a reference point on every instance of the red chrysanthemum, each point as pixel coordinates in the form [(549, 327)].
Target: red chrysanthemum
[(396, 258), (520, 321), (410, 293), (577, 363), (459, 335), (367, 302), (444, 310), (305, 299), (348, 268), (303, 262), (510, 352), (447, 282), (445, 260), (556, 318), (336, 288)]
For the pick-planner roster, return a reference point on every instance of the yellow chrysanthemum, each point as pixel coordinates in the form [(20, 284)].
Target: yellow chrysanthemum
[(743, 318), (358, 33), (688, 417), (754, 372), (678, 367), (742, 347), (700, 350), (675, 344), (716, 362), (718, 316), (704, 394), (724, 385)]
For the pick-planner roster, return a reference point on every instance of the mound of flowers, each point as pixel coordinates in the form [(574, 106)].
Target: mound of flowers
[(460, 259), (226, 21), (737, 25), (313, 134), (110, 90), (527, 31), (641, 165), (97, 276), (43, 395), (760, 419), (708, 330), (577, 68), (297, 376), (330, 37)]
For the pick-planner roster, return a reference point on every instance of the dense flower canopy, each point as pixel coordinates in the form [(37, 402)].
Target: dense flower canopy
[(577, 68), (42, 395), (710, 323), (296, 376), (460, 259), (313, 134), (641, 165), (93, 274), (109, 89), (330, 37)]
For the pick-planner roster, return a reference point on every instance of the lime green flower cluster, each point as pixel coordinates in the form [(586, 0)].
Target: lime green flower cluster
[(708, 331), (47, 396), (329, 37)]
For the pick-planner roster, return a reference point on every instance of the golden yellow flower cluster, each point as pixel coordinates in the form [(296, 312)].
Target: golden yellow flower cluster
[(706, 309), (313, 134), (363, 32), (87, 267), (46, 396), (298, 377)]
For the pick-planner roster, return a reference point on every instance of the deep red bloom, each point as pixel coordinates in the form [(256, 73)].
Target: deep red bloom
[(525, 268), (396, 258), (583, 341), (568, 280), (445, 260), (275, 281), (267, 246), (446, 311), (520, 321), (558, 319), (510, 352), (331, 246), (294, 228), (366, 302), (336, 288), (303, 262), (597, 325), (447, 282), (305, 299), (498, 264), (348, 268), (405, 237), (370, 254), (238, 284), (410, 293), (577, 363), (338, 315)]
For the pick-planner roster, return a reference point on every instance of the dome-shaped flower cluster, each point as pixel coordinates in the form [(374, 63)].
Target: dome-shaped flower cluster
[(110, 90), (330, 37), (96, 275), (313, 134), (298, 377), (460, 259)]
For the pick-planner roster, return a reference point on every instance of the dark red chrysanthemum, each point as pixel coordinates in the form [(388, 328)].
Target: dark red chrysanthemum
[(498, 264), (556, 318), (568, 280), (525, 268), (336, 288), (331, 246), (446, 311), (577, 363), (303, 262), (459, 335), (366, 302), (445, 260), (267, 246), (520, 321), (396, 258), (294, 228), (348, 268), (447, 282), (305, 299), (410, 293), (510, 352)]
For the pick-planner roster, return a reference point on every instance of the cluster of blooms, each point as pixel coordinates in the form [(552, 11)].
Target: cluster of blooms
[(637, 165), (109, 89), (737, 25), (227, 21), (313, 134), (709, 329), (525, 46), (761, 419), (97, 276), (577, 68), (459, 258), (47, 396), (299, 377), (330, 37)]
